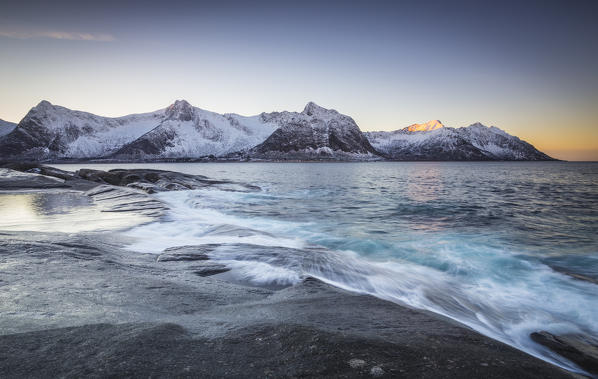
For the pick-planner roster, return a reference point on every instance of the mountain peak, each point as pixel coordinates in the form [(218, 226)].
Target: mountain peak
[(312, 109), (44, 104), (425, 127), (180, 110)]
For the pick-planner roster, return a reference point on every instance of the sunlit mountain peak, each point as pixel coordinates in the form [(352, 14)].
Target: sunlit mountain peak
[(425, 127)]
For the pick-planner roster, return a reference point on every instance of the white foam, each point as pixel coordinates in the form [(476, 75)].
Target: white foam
[(484, 287), (262, 273), (186, 224)]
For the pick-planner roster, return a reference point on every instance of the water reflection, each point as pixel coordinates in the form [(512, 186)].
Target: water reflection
[(424, 183), (60, 211)]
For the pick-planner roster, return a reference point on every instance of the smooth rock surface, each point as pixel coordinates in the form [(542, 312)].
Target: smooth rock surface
[(77, 305), (185, 253), (579, 349), (11, 180)]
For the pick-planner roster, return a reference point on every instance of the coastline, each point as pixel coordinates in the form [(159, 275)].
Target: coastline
[(78, 304)]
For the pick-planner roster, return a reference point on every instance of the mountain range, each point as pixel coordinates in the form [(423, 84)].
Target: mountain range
[(180, 131), (434, 141)]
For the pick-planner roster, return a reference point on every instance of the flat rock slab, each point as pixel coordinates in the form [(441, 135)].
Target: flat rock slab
[(279, 350), (146, 180), (192, 258), (185, 253), (78, 305), (158, 180), (122, 199), (209, 268), (12, 180)]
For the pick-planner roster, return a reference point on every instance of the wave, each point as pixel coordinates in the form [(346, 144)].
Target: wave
[(475, 279)]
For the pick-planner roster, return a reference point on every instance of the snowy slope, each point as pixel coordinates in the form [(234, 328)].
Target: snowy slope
[(475, 142), (498, 144), (6, 127), (314, 133), (50, 131), (191, 132), (440, 144), (180, 130)]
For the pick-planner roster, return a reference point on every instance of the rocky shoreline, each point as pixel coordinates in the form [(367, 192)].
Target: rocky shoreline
[(77, 304)]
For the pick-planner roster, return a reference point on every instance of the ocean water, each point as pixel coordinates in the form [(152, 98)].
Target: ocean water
[(505, 248)]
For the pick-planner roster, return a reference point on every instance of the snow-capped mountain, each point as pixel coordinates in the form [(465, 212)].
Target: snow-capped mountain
[(6, 127), (475, 142), (181, 131), (188, 132), (315, 133), (500, 145), (50, 131)]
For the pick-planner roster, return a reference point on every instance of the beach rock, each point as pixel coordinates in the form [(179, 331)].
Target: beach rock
[(36, 168), (357, 363), (581, 350), (209, 268), (157, 180), (77, 305), (146, 180), (13, 180), (376, 371), (180, 256), (123, 199), (185, 253), (235, 230)]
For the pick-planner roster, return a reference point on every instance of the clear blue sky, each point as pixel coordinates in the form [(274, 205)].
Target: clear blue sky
[(528, 67)]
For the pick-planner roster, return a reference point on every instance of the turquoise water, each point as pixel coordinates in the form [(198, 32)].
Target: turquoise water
[(492, 245)]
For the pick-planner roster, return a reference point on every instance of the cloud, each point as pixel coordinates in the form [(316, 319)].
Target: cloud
[(72, 36)]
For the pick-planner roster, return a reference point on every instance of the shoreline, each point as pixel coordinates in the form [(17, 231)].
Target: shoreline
[(81, 306), (81, 295)]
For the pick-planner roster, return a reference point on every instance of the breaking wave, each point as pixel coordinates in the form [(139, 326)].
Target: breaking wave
[(474, 278)]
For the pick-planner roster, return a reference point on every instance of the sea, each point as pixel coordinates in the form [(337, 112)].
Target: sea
[(506, 248)]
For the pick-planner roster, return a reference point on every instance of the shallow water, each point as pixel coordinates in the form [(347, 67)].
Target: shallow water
[(492, 245), (61, 211)]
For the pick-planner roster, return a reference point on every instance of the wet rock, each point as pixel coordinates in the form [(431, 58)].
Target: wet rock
[(209, 269), (145, 187), (146, 180), (11, 179), (581, 350), (235, 230), (179, 258), (123, 199), (80, 306), (99, 176), (357, 363), (185, 253), (376, 371), (152, 181)]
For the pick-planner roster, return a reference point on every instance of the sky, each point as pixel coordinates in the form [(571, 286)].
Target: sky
[(528, 67)]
